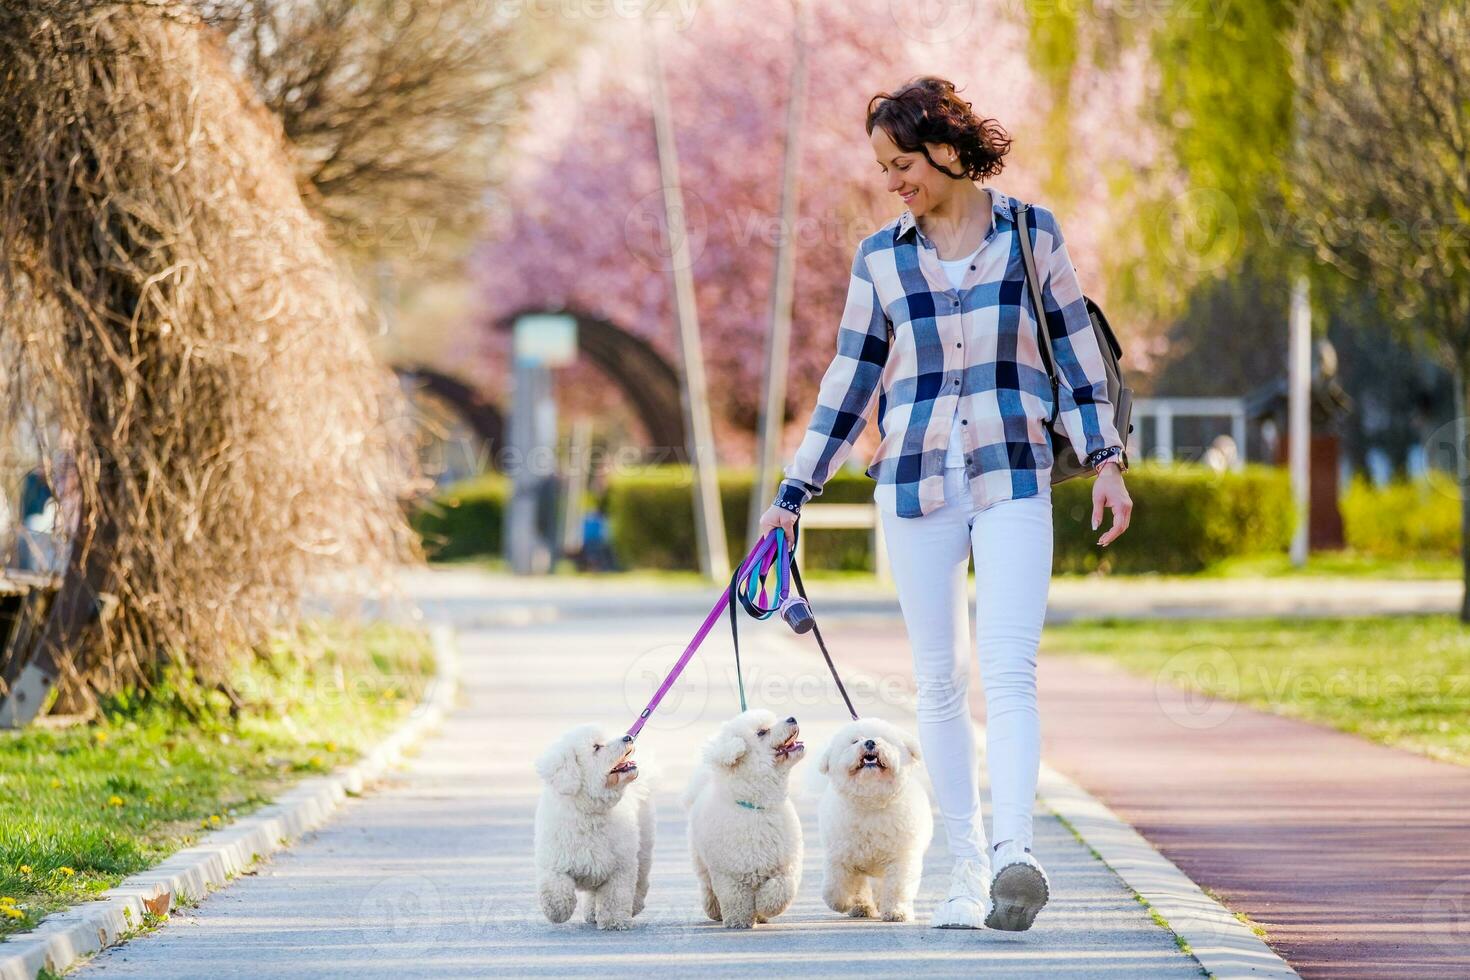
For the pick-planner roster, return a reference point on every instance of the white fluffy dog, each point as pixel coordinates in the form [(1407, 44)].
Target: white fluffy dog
[(743, 830), (593, 832), (874, 819)]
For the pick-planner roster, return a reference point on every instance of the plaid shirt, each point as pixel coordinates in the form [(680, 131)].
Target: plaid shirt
[(931, 353)]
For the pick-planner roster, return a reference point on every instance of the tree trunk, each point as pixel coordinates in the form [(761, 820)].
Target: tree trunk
[(1462, 481)]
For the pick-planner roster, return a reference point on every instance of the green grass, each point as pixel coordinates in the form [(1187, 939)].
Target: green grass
[(1399, 680), (1330, 563), (83, 807)]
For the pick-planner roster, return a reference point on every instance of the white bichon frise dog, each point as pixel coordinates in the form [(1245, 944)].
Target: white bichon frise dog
[(594, 829), (743, 830), (875, 821)]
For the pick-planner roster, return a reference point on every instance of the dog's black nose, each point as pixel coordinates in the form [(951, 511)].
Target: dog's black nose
[(870, 745), (627, 738), (790, 721)]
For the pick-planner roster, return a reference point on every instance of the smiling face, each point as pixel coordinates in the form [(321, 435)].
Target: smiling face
[(755, 748), (908, 174), (588, 765), (870, 759)]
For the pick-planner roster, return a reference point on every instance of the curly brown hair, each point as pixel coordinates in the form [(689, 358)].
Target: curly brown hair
[(928, 110)]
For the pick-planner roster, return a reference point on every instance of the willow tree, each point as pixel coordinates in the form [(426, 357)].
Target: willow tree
[(174, 312), (1382, 181), (1218, 106)]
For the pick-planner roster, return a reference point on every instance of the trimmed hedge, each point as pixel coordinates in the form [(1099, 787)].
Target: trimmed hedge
[(1404, 519), (464, 520), (1206, 517), (1185, 517)]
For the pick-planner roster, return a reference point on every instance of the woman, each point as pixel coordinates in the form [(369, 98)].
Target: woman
[(938, 326)]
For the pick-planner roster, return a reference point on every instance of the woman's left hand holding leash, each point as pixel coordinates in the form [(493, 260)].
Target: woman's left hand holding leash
[(1108, 491)]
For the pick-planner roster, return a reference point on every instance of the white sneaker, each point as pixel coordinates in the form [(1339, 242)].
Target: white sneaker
[(1018, 891), (969, 897)]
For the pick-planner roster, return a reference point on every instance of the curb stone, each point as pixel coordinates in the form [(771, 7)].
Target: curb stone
[(64, 938)]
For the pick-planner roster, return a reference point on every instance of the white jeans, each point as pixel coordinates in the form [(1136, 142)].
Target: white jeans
[(1012, 545)]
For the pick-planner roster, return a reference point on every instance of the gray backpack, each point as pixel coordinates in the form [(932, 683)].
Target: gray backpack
[(1065, 464)]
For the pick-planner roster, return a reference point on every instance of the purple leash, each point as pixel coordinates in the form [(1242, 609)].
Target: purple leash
[(769, 552), (757, 554)]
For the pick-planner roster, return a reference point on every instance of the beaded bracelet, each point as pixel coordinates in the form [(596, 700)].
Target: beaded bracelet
[(1097, 458), (791, 496)]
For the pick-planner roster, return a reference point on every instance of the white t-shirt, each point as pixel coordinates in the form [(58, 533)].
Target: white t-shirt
[(955, 269)]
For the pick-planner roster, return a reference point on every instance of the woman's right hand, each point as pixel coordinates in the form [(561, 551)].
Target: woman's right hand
[(777, 517)]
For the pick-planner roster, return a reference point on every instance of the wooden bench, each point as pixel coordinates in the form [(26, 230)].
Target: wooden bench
[(830, 517)]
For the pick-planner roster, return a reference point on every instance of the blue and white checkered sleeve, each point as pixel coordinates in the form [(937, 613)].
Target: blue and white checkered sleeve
[(847, 390), (1085, 410)]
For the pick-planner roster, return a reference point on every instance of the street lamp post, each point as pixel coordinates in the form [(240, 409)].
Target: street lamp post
[(540, 342), (778, 341), (709, 523)]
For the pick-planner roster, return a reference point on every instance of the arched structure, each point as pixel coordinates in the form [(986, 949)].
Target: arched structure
[(644, 376), (482, 415)]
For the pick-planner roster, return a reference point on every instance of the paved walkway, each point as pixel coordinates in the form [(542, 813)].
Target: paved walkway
[(1353, 856), (432, 874)]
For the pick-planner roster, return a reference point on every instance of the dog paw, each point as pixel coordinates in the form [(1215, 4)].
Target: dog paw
[(861, 911), (900, 913), (616, 925), (558, 900), (558, 912)]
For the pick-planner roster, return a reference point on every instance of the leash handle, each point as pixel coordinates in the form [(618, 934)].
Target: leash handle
[(772, 554)]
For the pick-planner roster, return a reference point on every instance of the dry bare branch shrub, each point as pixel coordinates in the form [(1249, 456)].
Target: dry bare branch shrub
[(395, 111), (174, 308)]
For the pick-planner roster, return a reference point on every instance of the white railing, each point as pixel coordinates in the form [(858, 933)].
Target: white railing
[(1165, 410), (846, 517)]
